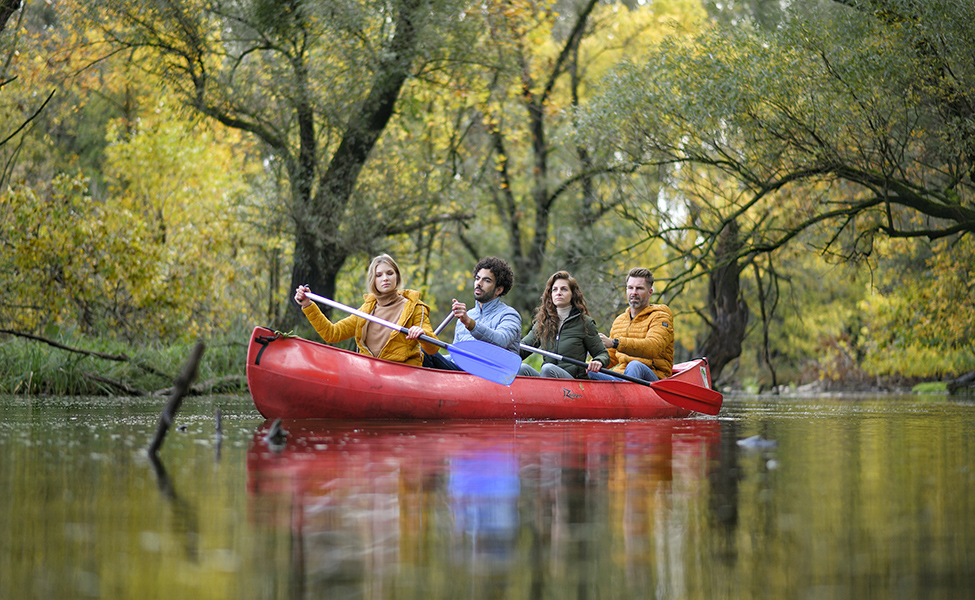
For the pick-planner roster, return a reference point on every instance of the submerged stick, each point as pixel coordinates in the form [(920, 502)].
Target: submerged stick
[(218, 415), (277, 436), (180, 387)]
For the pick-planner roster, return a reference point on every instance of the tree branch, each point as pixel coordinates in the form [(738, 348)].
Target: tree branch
[(7, 9), (397, 228), (29, 119), (582, 19), (102, 355)]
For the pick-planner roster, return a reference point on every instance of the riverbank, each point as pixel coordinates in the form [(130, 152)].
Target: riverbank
[(961, 386), (98, 366)]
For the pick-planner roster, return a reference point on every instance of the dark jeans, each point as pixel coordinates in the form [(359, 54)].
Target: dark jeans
[(437, 361), (634, 368)]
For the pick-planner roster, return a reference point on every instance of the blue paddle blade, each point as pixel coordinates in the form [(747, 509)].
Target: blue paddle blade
[(485, 360)]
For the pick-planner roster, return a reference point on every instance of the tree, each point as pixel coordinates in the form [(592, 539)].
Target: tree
[(919, 318), (7, 9), (121, 213), (542, 198), (317, 82), (136, 262), (856, 117)]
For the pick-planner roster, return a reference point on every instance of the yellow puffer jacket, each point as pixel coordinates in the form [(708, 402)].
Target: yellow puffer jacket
[(648, 338), (398, 348)]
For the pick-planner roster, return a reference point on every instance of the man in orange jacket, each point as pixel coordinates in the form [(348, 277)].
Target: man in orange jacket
[(641, 341)]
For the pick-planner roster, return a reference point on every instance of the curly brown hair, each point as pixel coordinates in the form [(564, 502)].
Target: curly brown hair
[(546, 321), (504, 277)]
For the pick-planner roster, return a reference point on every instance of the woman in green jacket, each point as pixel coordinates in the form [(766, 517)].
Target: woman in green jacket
[(562, 325)]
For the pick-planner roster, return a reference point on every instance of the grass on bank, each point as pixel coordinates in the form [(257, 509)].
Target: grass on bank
[(33, 367), (931, 387)]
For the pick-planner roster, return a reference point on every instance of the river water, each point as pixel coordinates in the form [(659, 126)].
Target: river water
[(839, 497)]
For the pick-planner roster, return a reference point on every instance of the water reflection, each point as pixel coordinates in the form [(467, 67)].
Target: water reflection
[(860, 498), (468, 507), (483, 492), (185, 521)]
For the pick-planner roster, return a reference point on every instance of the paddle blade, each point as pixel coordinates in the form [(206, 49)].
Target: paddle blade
[(687, 395), (485, 360)]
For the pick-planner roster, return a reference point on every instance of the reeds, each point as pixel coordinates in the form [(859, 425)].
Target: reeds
[(33, 367)]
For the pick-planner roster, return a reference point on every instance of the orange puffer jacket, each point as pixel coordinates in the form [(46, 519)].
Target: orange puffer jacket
[(648, 338), (398, 348)]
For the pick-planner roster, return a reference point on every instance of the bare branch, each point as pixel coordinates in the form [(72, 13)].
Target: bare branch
[(29, 119), (102, 355), (397, 228)]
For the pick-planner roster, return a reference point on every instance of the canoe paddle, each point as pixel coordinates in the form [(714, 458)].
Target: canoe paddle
[(443, 323), (478, 358), (679, 393)]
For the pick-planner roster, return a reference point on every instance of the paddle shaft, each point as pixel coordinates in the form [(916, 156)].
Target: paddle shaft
[(679, 393), (443, 323), (373, 318), (477, 357), (580, 363)]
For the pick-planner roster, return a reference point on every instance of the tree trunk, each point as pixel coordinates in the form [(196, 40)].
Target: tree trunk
[(728, 310), (7, 9), (319, 251), (767, 303), (315, 268)]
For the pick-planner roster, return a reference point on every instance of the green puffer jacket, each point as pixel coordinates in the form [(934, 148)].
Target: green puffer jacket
[(577, 338)]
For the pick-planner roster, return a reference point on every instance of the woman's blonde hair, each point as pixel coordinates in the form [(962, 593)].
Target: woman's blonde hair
[(371, 273)]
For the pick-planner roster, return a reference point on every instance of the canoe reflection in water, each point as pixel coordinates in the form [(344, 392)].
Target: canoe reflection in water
[(453, 505)]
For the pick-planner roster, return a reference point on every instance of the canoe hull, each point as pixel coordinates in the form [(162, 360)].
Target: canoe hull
[(294, 378)]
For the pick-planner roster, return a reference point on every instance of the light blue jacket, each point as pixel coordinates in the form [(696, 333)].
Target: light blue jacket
[(494, 322)]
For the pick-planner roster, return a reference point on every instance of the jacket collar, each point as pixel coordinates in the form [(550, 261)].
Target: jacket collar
[(490, 304), (411, 295), (645, 310)]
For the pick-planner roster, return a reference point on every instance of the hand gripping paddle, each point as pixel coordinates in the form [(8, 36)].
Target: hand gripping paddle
[(679, 393), (478, 358)]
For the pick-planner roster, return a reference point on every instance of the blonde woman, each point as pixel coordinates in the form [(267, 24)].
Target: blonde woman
[(387, 300)]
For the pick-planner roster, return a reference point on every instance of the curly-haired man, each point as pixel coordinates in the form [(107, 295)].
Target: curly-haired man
[(490, 320)]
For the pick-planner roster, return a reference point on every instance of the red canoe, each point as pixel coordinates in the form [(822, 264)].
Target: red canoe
[(294, 378)]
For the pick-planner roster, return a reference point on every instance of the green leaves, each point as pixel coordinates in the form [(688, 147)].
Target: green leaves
[(138, 260), (834, 128)]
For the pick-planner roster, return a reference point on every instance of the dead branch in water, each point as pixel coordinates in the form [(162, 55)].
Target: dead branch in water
[(959, 385), (119, 385), (218, 385), (180, 388)]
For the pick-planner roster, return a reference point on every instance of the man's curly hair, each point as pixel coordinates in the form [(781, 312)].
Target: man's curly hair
[(503, 275)]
